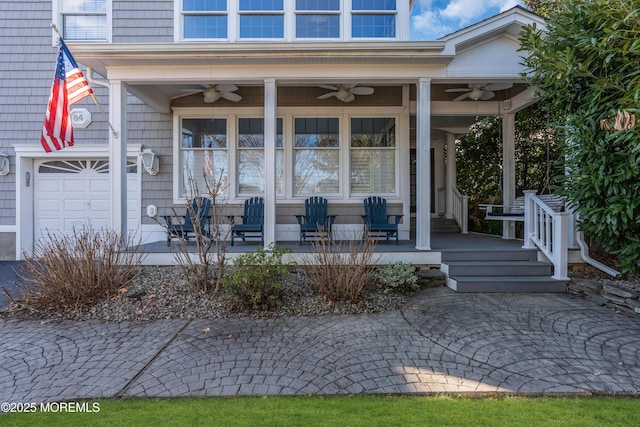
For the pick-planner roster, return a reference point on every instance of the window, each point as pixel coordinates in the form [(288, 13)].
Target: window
[(316, 156), (317, 19), (84, 19), (204, 19), (373, 18), (261, 19), (203, 151), (373, 155), (251, 156)]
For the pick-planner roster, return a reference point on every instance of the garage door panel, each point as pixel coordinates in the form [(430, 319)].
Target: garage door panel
[(99, 185), (44, 224), (74, 206), (78, 196), (100, 205), (71, 223), (99, 224), (48, 186), (50, 206), (74, 185)]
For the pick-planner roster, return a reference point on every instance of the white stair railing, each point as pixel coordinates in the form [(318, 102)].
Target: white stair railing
[(461, 210), (547, 230)]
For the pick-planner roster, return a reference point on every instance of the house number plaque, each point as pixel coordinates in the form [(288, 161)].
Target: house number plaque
[(80, 117)]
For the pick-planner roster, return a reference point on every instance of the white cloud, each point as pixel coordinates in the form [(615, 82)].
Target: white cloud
[(434, 18), (429, 25), (508, 4), (465, 11)]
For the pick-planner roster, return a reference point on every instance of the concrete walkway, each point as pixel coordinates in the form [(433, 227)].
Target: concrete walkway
[(441, 342)]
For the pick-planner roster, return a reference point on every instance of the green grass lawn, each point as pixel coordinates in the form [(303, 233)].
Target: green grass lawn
[(347, 411)]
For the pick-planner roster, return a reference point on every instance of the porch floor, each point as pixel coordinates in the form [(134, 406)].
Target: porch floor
[(386, 251)]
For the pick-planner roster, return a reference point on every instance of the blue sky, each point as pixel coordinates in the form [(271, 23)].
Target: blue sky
[(432, 19)]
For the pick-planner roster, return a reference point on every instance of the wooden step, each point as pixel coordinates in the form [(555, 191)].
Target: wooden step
[(497, 268), (516, 271), (512, 284), (490, 255)]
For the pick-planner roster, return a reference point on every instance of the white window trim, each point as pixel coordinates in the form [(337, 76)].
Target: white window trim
[(56, 17), (288, 114)]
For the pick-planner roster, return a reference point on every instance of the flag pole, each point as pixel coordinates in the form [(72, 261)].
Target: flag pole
[(93, 95)]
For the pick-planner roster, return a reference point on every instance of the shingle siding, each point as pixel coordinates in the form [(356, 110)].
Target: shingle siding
[(26, 51), (143, 21), (155, 131), (27, 67)]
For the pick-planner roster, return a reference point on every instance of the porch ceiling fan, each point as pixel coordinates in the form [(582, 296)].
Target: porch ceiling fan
[(479, 91), (212, 93), (345, 93)]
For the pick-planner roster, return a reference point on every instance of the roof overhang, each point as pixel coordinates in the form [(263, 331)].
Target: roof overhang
[(510, 22), (102, 57)]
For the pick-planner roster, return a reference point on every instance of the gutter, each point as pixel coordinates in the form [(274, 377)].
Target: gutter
[(92, 79), (584, 253)]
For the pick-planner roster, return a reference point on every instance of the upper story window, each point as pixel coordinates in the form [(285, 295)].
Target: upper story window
[(84, 19), (373, 18), (261, 19), (317, 19), (205, 19), (287, 20)]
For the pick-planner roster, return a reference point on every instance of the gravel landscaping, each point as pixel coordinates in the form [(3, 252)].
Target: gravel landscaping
[(163, 293)]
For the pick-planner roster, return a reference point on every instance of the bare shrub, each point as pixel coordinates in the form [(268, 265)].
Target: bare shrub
[(341, 270), (77, 269), (204, 267)]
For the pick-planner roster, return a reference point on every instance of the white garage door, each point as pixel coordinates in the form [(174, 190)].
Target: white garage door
[(73, 193)]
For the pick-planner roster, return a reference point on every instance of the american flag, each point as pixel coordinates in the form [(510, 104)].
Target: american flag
[(69, 86)]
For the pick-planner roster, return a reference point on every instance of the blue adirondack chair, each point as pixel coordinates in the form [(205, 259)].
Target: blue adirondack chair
[(252, 221), (376, 219), (184, 229), (316, 219)]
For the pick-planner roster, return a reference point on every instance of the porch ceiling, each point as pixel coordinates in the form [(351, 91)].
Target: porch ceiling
[(157, 74)]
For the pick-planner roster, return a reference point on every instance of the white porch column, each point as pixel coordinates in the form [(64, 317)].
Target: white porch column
[(450, 173), (270, 129), (423, 166), (118, 157), (508, 170)]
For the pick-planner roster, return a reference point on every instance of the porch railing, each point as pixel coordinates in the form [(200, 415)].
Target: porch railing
[(461, 210), (547, 230)]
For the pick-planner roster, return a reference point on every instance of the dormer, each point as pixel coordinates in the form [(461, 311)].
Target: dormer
[(291, 20)]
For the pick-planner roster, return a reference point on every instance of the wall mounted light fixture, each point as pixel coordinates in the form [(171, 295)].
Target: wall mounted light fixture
[(150, 161), (4, 164)]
